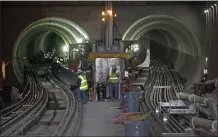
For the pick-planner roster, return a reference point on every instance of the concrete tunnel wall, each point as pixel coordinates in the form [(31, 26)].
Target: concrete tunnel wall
[(0, 35), (15, 19)]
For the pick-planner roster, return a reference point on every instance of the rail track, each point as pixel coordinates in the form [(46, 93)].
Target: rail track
[(71, 122), (21, 114), (162, 86), (22, 117)]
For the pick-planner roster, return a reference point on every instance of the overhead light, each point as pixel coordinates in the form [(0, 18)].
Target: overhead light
[(103, 13), (135, 49), (110, 12), (215, 5), (75, 49), (115, 15), (206, 58), (126, 73), (206, 11), (65, 48), (135, 45), (103, 19), (157, 110), (80, 40), (205, 71), (164, 119), (211, 6)]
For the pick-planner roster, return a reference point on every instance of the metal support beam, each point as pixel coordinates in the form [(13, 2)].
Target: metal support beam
[(181, 111), (162, 87), (109, 24), (173, 103), (179, 135)]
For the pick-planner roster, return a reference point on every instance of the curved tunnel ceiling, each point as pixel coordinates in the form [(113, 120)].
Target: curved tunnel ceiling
[(43, 35), (179, 46)]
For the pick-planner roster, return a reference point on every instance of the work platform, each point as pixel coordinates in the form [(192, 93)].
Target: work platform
[(97, 119)]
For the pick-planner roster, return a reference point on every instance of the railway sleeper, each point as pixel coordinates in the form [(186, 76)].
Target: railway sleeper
[(26, 105), (5, 118), (17, 112), (50, 123)]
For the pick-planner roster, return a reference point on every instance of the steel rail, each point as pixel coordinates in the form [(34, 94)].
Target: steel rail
[(25, 111)]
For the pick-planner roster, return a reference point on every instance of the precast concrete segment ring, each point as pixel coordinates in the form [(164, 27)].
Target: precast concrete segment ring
[(165, 26), (69, 31), (146, 23), (187, 41)]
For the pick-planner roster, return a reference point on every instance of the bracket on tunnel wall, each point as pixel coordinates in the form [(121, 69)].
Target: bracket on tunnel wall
[(138, 48)]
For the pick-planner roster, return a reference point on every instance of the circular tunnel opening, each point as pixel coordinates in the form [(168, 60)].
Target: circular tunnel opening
[(41, 39), (162, 45), (172, 42)]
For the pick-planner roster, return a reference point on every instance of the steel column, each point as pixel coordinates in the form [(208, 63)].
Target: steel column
[(109, 25)]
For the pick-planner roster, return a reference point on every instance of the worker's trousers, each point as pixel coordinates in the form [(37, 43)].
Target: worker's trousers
[(84, 97), (114, 91)]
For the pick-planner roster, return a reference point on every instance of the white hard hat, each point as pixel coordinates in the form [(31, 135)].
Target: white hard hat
[(79, 71)]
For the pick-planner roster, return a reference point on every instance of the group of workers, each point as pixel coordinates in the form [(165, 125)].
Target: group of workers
[(113, 80)]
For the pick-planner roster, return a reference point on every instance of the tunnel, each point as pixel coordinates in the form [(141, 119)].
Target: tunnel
[(41, 37), (171, 41)]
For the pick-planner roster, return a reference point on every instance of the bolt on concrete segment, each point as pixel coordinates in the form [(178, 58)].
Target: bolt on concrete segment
[(97, 119)]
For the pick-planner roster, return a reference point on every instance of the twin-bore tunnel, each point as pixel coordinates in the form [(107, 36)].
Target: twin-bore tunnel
[(169, 38)]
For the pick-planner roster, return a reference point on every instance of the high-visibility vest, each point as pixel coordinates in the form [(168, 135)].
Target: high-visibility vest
[(84, 83), (113, 77), (117, 62)]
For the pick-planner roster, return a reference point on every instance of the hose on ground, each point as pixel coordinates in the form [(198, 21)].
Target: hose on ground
[(133, 116)]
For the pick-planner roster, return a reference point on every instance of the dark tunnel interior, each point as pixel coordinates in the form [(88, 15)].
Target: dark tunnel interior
[(44, 42), (47, 41), (163, 46), (170, 41)]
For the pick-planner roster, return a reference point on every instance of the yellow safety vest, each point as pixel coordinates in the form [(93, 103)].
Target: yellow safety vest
[(84, 83), (113, 77)]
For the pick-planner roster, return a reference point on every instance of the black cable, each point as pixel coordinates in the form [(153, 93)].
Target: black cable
[(55, 110)]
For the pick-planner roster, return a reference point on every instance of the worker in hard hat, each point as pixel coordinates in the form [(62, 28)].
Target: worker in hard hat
[(113, 80), (83, 86)]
